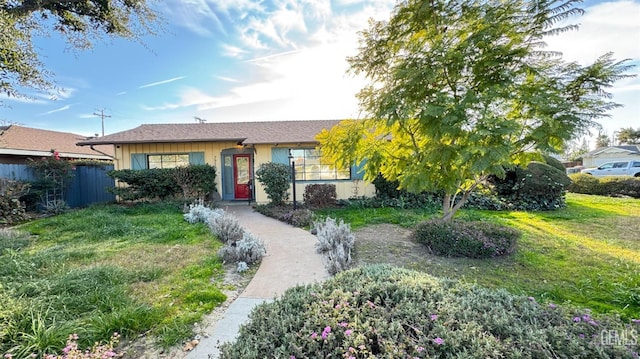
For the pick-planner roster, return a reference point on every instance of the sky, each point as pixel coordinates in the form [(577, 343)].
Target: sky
[(270, 60)]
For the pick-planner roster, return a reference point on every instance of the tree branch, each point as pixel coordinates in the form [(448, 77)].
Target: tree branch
[(31, 6)]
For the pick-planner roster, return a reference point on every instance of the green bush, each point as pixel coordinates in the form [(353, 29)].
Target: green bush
[(466, 239), (385, 312), (275, 177), (12, 209), (320, 195), (539, 187), (146, 184), (555, 163), (196, 181), (605, 186)]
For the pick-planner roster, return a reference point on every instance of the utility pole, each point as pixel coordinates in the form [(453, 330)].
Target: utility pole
[(102, 116)]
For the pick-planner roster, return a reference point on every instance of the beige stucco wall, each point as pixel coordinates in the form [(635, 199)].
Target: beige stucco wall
[(212, 153)]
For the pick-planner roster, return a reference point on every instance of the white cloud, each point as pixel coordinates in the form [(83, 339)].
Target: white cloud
[(121, 93), (610, 26), (63, 108), (226, 79), (161, 82)]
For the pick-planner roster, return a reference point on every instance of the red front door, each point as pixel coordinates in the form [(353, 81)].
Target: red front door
[(241, 175)]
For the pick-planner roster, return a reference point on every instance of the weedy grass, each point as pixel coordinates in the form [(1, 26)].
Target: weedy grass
[(586, 255), (105, 269)]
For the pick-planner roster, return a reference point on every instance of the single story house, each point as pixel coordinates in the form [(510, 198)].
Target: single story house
[(611, 154), (236, 149), (19, 143)]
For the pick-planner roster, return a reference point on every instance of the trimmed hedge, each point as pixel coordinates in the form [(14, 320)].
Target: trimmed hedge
[(605, 186), (385, 312), (466, 239), (320, 195), (275, 177), (191, 182)]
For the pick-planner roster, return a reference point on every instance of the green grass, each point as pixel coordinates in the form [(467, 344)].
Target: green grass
[(105, 269), (586, 255)]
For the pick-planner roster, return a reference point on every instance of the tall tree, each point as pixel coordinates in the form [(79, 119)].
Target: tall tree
[(460, 90), (629, 136), (602, 140), (81, 22)]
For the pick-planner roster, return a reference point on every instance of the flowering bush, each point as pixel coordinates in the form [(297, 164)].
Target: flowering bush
[(466, 239), (335, 243), (71, 351), (385, 312)]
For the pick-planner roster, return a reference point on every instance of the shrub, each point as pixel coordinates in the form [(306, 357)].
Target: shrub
[(320, 195), (335, 243), (196, 181), (250, 249), (388, 195), (385, 312), (201, 213), (555, 163), (226, 228), (466, 239), (605, 186), (538, 187), (147, 184), (275, 177), (300, 217), (12, 210), (56, 207)]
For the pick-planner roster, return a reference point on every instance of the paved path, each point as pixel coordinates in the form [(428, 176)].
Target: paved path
[(291, 259)]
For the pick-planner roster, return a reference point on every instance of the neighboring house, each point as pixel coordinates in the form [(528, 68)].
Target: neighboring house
[(18, 143), (236, 150), (610, 154)]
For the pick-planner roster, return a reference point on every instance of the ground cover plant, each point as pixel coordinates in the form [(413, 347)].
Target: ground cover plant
[(387, 312), (134, 270), (587, 254)]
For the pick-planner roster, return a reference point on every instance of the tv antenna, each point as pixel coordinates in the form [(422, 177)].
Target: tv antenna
[(199, 119)]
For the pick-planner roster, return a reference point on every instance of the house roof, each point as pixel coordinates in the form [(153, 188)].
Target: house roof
[(26, 141), (632, 149), (247, 133)]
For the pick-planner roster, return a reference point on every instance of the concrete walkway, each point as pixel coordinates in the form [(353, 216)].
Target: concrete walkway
[(291, 260)]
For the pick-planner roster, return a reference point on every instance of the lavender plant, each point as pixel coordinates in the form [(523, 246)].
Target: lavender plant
[(335, 243)]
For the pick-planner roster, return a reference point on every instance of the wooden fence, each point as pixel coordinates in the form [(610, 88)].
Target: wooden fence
[(88, 185)]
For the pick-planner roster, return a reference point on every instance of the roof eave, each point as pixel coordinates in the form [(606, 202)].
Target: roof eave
[(133, 142)]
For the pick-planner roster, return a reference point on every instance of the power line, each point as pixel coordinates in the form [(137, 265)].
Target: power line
[(102, 116)]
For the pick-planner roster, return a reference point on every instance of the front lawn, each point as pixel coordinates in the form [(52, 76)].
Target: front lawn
[(133, 270), (587, 254)]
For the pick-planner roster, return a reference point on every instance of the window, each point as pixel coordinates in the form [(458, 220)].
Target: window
[(636, 164), (310, 168), (141, 161), (168, 160)]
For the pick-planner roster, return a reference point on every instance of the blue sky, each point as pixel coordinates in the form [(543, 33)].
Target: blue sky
[(244, 60)]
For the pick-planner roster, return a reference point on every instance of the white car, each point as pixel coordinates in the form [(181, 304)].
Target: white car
[(618, 168)]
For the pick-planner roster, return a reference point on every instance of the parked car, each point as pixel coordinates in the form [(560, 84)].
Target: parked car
[(618, 168)]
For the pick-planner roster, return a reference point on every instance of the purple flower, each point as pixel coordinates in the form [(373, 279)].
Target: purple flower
[(434, 317), (438, 341), (314, 335), (637, 321), (581, 335), (343, 324), (593, 322), (586, 317), (292, 357), (552, 306), (576, 319), (420, 349), (348, 332), (531, 299), (325, 332)]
